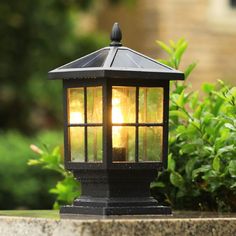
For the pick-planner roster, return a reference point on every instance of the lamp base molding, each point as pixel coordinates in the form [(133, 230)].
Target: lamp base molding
[(117, 206), (115, 192), (107, 211)]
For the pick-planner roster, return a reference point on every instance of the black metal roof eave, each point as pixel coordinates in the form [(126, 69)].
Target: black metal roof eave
[(144, 74), (103, 73)]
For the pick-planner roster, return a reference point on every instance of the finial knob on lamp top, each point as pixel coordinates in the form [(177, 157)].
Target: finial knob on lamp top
[(116, 35)]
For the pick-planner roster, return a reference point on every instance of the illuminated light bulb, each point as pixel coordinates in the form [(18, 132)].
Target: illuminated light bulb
[(118, 150), (76, 118), (117, 117)]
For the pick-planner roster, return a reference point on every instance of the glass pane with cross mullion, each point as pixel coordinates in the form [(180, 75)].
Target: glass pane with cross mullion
[(150, 105), (95, 152), (76, 139), (123, 143), (94, 104), (150, 143), (75, 105), (123, 104)]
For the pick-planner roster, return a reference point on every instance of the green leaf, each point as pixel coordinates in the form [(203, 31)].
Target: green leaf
[(33, 162), (181, 129), (208, 150), (230, 126), (232, 168), (157, 184), (187, 148), (179, 52), (190, 166), (193, 102), (172, 44), (216, 163), (56, 205), (180, 88), (233, 186), (202, 169), (178, 113), (165, 47), (176, 179), (232, 91), (180, 101), (220, 95), (189, 69), (171, 163), (198, 111), (56, 151), (180, 42), (225, 149), (208, 88), (66, 190)]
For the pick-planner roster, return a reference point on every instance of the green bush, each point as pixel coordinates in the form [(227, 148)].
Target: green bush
[(201, 170), (23, 186)]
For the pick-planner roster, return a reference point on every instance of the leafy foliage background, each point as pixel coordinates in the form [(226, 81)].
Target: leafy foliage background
[(35, 38)]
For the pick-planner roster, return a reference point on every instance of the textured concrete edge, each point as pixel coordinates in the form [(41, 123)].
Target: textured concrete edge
[(23, 226)]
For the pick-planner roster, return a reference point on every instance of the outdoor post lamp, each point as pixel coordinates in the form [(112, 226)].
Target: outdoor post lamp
[(116, 128)]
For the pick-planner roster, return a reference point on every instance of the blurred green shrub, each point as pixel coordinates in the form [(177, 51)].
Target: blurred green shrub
[(66, 189), (35, 38), (23, 186), (201, 170)]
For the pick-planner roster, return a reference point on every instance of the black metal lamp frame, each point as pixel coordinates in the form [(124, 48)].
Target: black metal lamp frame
[(110, 187), (115, 188)]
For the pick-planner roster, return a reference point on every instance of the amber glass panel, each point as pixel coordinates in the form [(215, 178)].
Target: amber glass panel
[(123, 104), (150, 143), (94, 144), (123, 143), (150, 105), (94, 104), (75, 105), (76, 135)]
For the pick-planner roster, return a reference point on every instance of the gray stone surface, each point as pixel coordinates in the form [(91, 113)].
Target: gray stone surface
[(119, 226)]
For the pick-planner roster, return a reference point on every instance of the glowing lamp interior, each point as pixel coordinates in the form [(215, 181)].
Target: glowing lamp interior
[(118, 118), (85, 128)]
